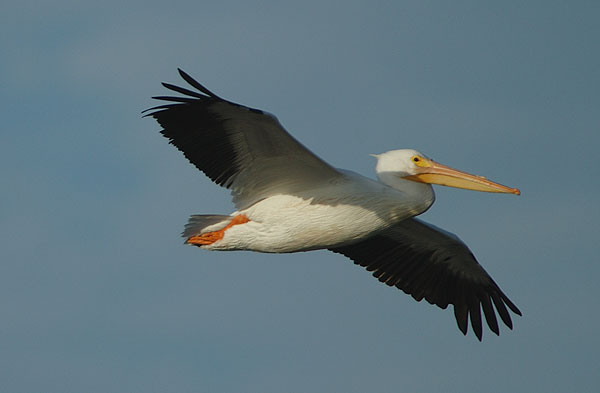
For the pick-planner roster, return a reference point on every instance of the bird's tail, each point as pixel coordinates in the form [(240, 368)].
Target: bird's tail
[(203, 223)]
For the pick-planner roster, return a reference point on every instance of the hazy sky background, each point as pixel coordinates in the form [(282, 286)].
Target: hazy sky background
[(98, 293)]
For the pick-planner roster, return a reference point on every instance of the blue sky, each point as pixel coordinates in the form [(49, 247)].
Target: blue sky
[(97, 292)]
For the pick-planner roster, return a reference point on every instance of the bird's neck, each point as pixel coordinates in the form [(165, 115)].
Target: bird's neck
[(419, 194)]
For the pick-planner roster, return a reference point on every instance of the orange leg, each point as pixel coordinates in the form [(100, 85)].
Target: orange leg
[(211, 237)]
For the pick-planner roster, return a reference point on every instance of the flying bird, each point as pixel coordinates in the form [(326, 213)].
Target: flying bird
[(288, 200)]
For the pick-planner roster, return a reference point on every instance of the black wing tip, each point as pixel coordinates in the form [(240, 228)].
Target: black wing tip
[(183, 90), (192, 82), (189, 96), (463, 313), (512, 306)]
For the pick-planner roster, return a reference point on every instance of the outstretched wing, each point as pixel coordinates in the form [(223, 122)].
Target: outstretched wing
[(243, 149), (427, 262)]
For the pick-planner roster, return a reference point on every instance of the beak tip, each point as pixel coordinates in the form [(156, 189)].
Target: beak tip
[(516, 191)]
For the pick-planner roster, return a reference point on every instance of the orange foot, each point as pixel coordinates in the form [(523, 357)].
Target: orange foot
[(211, 237)]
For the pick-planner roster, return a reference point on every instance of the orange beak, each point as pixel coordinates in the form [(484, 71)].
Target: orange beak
[(432, 172)]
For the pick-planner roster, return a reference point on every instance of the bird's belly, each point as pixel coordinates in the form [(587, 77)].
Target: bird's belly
[(288, 224)]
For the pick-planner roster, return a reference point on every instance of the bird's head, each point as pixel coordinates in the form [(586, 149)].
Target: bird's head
[(411, 165)]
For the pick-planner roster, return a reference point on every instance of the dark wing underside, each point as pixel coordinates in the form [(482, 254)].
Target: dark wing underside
[(429, 263), (243, 149)]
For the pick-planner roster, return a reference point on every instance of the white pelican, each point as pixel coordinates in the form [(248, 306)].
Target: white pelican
[(289, 200)]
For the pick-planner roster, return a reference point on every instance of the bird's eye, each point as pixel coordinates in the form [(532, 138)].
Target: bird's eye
[(416, 159)]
